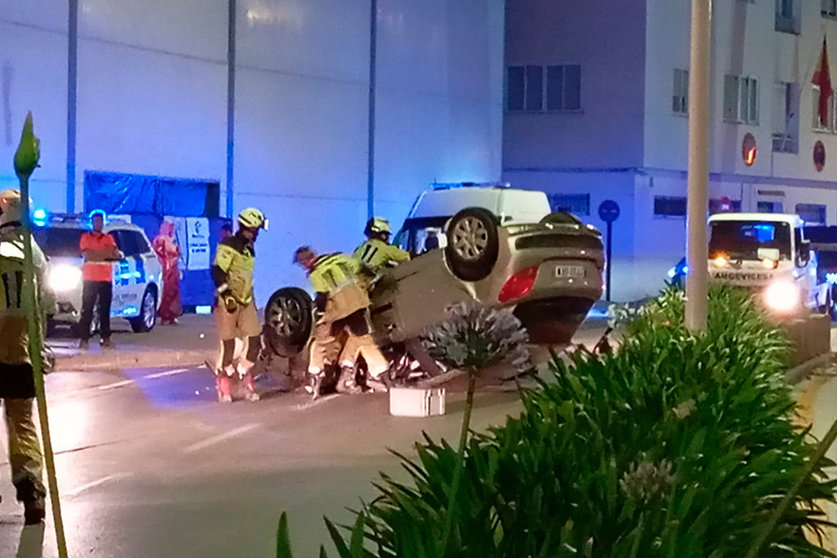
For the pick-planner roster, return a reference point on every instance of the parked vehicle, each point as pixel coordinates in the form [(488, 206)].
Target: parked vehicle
[(504, 249), (137, 279)]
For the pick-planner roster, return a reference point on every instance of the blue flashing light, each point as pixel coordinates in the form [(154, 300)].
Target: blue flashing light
[(203, 310), (130, 311), (39, 215)]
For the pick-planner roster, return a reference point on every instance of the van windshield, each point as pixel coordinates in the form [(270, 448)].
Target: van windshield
[(742, 239), (422, 234)]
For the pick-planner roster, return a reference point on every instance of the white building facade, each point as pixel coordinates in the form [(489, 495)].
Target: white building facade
[(597, 108), (270, 99)]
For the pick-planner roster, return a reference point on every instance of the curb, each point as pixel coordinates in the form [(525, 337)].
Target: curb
[(803, 371), (146, 359)]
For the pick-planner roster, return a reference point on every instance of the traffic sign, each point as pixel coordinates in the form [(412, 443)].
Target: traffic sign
[(609, 211)]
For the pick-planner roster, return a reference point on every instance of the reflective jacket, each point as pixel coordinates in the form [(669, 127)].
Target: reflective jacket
[(375, 254), (235, 259), (13, 325), (339, 292)]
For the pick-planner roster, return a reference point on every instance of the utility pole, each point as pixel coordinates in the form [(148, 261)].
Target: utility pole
[(697, 291)]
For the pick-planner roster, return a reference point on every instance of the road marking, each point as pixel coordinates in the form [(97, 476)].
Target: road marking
[(167, 373), (78, 490), (220, 438), (316, 402), (115, 385)]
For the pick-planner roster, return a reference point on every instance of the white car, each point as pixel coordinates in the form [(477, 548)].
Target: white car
[(137, 277)]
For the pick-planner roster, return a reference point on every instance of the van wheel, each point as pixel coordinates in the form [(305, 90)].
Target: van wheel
[(473, 243), (288, 320), (148, 313)]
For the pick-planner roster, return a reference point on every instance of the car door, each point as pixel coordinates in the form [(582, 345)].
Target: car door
[(146, 266), (125, 291)]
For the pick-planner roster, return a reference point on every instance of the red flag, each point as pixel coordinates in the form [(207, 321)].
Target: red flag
[(822, 77)]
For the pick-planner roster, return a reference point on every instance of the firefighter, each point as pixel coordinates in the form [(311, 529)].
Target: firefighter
[(235, 307), (343, 306), (377, 253), (17, 381)]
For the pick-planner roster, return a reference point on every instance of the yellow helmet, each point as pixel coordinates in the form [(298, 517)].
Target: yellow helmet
[(252, 218), (377, 225)]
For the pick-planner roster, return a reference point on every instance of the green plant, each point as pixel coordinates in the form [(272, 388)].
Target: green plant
[(473, 338), (679, 445)]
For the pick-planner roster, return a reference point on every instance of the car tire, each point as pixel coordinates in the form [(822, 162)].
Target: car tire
[(473, 243), (288, 320), (148, 313)]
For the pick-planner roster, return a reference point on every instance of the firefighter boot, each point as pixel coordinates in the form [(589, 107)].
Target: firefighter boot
[(346, 383), (250, 387), (34, 511), (222, 383), (314, 384)]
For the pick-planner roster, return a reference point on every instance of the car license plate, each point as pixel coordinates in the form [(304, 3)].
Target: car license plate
[(569, 272)]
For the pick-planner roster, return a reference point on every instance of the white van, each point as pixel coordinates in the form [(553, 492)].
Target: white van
[(425, 224)]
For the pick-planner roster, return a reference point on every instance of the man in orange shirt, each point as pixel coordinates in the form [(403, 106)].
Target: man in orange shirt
[(99, 250)]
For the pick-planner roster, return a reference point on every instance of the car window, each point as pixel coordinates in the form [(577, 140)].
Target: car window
[(422, 234), (124, 242), (62, 242), (140, 243)]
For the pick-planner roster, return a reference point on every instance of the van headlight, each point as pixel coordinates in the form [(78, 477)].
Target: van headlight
[(782, 297), (63, 278)]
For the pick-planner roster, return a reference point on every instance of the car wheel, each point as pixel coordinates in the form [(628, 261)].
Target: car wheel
[(473, 243), (288, 319), (148, 313)]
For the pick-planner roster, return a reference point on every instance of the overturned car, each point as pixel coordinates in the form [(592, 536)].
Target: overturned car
[(549, 271)]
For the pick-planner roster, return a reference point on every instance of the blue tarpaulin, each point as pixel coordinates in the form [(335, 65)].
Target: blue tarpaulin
[(147, 199)]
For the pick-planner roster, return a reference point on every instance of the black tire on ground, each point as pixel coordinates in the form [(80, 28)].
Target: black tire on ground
[(562, 218), (288, 320), (473, 243), (148, 313)]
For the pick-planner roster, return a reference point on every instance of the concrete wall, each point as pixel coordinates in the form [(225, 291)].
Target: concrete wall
[(607, 39), (152, 99), (33, 76)]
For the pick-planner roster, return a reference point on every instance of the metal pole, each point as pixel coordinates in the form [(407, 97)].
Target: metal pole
[(609, 260), (72, 107), (698, 199), (373, 50), (231, 23)]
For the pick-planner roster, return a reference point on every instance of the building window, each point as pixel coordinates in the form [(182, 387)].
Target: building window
[(829, 8), (787, 20), (534, 88), (525, 88), (769, 207), (577, 204), (563, 87), (785, 118), (829, 124), (669, 206), (516, 88), (680, 92), (715, 206), (812, 213), (741, 99)]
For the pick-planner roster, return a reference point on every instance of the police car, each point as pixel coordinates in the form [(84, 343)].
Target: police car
[(137, 277)]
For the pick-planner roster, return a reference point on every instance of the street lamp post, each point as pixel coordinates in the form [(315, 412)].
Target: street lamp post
[(698, 200)]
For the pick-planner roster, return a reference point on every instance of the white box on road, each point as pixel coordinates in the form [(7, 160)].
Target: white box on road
[(416, 402)]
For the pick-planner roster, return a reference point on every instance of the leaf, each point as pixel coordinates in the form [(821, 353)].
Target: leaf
[(283, 538)]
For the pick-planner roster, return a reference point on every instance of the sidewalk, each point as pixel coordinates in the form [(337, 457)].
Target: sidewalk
[(191, 342)]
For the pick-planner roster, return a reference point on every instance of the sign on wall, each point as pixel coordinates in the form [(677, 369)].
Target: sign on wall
[(197, 229)]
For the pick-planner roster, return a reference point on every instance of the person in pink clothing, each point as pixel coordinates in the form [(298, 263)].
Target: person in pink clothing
[(168, 252)]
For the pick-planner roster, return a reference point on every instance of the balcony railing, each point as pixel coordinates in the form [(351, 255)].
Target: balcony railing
[(784, 143)]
